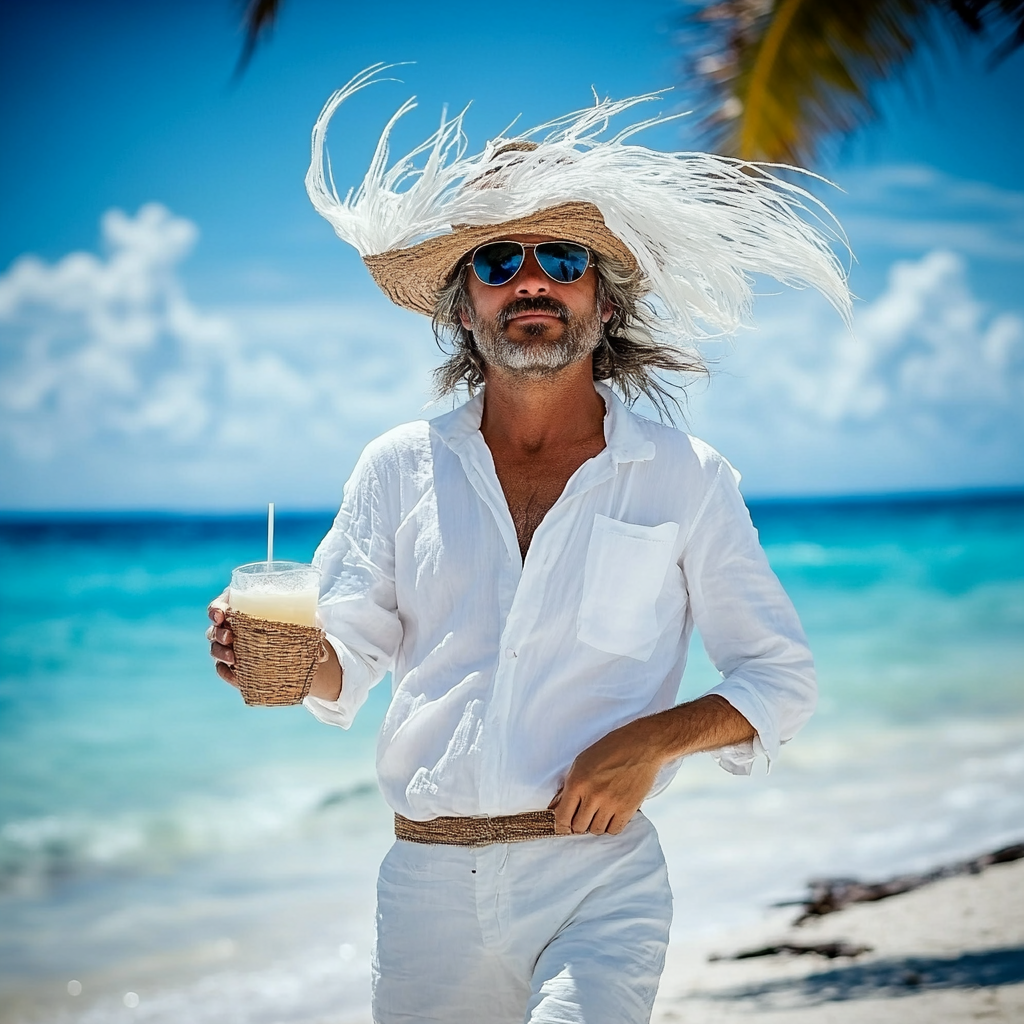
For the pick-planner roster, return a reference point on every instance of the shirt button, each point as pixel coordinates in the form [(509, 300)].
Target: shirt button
[(509, 653)]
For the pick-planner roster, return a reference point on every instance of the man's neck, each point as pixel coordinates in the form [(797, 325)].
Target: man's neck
[(534, 415)]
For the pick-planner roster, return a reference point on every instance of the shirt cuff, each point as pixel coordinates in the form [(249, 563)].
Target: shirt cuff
[(739, 758), (355, 685)]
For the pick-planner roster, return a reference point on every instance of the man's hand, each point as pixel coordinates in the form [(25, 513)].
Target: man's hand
[(327, 680), (221, 639), (611, 778), (608, 781)]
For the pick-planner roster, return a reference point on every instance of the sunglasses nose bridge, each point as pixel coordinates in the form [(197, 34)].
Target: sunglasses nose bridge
[(531, 273)]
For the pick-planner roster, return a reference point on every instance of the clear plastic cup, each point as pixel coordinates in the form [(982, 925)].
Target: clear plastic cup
[(278, 591)]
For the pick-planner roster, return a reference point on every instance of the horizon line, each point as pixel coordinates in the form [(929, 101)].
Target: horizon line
[(963, 494)]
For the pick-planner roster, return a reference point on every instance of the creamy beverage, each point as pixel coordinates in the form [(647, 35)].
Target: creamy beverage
[(279, 591)]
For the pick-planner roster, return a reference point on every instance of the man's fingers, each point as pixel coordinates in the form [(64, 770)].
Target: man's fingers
[(583, 817), (575, 815), (221, 635), (221, 638), (227, 674), (219, 607), (221, 654), (564, 810), (617, 824)]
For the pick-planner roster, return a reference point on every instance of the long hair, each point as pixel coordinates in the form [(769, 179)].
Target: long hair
[(628, 357)]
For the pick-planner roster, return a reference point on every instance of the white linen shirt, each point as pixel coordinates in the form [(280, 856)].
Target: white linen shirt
[(503, 670)]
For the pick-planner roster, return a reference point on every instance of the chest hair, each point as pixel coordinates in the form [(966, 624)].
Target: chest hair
[(532, 482)]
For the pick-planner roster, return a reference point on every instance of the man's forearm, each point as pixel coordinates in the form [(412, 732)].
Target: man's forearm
[(707, 723), (609, 780)]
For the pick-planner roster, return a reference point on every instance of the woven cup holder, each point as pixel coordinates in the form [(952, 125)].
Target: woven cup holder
[(274, 661)]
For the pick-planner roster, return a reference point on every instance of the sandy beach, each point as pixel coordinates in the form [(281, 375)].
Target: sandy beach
[(950, 951)]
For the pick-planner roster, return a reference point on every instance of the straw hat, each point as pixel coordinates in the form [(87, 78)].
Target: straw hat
[(697, 226), (412, 277)]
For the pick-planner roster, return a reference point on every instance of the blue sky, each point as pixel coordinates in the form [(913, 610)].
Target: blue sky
[(178, 328)]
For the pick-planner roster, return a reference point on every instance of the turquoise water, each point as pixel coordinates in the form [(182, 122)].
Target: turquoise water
[(158, 836), (106, 694), (915, 609)]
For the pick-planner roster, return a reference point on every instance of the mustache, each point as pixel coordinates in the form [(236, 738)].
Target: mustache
[(536, 304)]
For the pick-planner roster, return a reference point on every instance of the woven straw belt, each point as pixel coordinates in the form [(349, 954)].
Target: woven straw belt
[(482, 831), (274, 661)]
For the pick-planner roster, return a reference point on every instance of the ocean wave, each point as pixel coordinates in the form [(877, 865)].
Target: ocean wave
[(40, 852), (308, 987)]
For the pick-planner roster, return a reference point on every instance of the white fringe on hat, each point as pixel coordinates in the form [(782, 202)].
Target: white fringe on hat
[(699, 224)]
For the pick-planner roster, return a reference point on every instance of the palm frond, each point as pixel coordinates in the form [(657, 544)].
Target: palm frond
[(779, 77), (1003, 19), (794, 71), (257, 21)]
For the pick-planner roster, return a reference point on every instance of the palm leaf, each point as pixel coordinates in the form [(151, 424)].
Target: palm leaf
[(257, 21), (1004, 18), (785, 75)]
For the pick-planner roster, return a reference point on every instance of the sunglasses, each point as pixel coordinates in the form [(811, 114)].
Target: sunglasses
[(496, 263)]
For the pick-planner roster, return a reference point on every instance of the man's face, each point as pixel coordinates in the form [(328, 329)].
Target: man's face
[(532, 325)]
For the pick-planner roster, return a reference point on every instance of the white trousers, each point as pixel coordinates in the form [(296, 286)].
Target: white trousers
[(568, 929)]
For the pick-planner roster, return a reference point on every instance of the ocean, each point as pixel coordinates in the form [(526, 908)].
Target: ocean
[(168, 854)]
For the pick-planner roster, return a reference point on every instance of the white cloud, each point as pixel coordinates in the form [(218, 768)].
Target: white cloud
[(915, 208), (98, 346), (927, 391), (116, 389), (925, 345)]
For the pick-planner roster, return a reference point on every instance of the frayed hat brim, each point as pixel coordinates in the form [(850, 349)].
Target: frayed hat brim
[(699, 227)]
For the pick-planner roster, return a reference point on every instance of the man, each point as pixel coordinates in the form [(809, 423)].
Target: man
[(531, 565)]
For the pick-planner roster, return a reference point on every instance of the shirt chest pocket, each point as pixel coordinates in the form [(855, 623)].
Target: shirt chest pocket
[(624, 575)]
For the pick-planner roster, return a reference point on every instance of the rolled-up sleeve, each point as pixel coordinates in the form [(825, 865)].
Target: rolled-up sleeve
[(358, 607), (748, 625)]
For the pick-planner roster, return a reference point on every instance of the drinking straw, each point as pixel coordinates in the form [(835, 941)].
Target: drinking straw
[(270, 534)]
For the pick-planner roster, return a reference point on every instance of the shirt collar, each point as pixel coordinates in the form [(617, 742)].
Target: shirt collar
[(455, 428), (623, 432)]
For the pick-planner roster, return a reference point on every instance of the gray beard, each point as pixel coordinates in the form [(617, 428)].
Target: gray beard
[(580, 337)]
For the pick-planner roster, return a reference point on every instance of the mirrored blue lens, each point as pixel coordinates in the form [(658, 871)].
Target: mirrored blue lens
[(562, 261), (498, 262)]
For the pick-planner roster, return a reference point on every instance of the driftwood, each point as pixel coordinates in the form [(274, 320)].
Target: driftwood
[(828, 895), (831, 894), (830, 949)]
